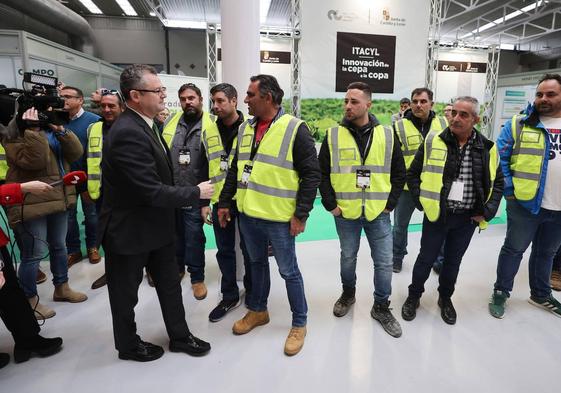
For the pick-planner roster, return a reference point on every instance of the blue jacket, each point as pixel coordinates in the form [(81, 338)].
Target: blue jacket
[(505, 143)]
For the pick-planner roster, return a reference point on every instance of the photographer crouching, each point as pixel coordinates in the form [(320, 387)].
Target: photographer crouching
[(42, 153)]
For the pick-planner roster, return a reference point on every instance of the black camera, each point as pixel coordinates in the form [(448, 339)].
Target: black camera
[(43, 96)]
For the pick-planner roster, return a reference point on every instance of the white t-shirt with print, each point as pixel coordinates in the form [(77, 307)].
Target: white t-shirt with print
[(552, 191)]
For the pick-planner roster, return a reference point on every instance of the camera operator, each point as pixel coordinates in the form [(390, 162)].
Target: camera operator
[(41, 220), (14, 309)]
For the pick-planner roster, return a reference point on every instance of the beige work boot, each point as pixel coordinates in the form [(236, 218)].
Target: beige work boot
[(63, 293), (556, 280), (250, 320), (199, 290), (295, 340), (40, 310)]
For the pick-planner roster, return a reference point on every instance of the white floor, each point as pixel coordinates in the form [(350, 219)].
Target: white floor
[(521, 353)]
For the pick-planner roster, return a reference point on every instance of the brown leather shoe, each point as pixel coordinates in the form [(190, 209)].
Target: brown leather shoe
[(100, 282), (556, 280), (250, 320), (41, 277), (93, 255), (199, 290), (295, 340), (74, 258)]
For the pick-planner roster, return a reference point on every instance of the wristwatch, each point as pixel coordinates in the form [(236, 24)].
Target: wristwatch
[(61, 133)]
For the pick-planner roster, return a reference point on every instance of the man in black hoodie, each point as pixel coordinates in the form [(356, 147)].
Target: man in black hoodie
[(416, 123), (363, 174)]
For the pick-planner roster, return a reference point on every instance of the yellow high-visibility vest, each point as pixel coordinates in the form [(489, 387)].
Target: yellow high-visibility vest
[(3, 163), (346, 160), (526, 160), (269, 190), (436, 153), (93, 159)]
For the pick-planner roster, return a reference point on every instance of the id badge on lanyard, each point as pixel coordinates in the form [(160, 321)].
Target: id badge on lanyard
[(184, 157), (246, 173), (362, 178), (224, 162)]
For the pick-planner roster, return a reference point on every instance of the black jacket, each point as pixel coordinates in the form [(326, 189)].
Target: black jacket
[(139, 196), (482, 182), (361, 136), (304, 157)]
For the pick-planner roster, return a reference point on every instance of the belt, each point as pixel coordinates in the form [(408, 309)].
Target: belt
[(457, 211)]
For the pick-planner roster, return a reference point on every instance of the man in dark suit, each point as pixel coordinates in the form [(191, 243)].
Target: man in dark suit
[(138, 216)]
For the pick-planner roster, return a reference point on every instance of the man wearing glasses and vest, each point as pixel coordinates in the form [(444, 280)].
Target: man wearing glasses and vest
[(417, 122), (192, 135), (111, 106), (362, 176), (456, 179), (274, 176), (530, 159)]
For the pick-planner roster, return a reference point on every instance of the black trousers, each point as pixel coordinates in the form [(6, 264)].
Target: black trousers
[(124, 275), (15, 310), (456, 232)]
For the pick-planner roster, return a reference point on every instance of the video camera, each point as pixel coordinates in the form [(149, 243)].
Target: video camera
[(43, 96)]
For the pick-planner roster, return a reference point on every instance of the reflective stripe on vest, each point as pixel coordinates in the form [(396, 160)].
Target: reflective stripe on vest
[(346, 160), (171, 126), (3, 163), (526, 160), (432, 175), (93, 159), (273, 183)]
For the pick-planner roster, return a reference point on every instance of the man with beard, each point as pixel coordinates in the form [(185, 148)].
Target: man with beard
[(189, 134), (531, 162), (417, 122)]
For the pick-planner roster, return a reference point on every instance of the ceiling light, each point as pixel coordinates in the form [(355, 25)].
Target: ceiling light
[(89, 4), (152, 13), (126, 7), (507, 46), (507, 17)]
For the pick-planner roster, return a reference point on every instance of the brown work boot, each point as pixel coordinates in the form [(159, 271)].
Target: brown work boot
[(40, 310), (295, 340), (251, 320), (93, 255), (556, 280), (100, 282), (199, 290), (74, 258), (63, 293), (41, 277)]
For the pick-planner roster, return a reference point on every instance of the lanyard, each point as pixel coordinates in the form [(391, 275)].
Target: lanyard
[(462, 151)]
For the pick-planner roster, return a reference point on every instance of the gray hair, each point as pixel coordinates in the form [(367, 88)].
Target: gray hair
[(472, 100), (131, 78)]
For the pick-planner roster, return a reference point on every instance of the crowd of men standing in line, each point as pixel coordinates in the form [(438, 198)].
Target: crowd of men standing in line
[(153, 183)]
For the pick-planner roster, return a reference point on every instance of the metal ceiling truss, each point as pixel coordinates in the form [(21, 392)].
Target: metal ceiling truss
[(473, 5), (490, 94), (212, 53), (435, 21)]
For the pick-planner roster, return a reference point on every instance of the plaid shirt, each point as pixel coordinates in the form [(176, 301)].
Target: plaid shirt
[(465, 176)]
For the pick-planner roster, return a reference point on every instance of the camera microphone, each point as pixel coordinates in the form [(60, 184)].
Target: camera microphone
[(71, 179)]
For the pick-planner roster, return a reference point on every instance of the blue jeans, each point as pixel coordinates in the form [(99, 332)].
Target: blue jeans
[(226, 256), (38, 237), (543, 230), (257, 233), (73, 244), (457, 232), (190, 243), (402, 216), (379, 235)]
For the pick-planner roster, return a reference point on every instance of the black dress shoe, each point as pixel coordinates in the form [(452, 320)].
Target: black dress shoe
[(100, 282), (409, 309), (447, 311), (143, 352), (4, 360), (191, 345), (37, 345)]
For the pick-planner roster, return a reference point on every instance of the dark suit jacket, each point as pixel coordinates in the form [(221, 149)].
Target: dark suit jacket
[(139, 198)]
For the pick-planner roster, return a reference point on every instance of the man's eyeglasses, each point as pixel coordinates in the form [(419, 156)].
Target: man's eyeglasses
[(107, 92), (159, 90), (67, 97)]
